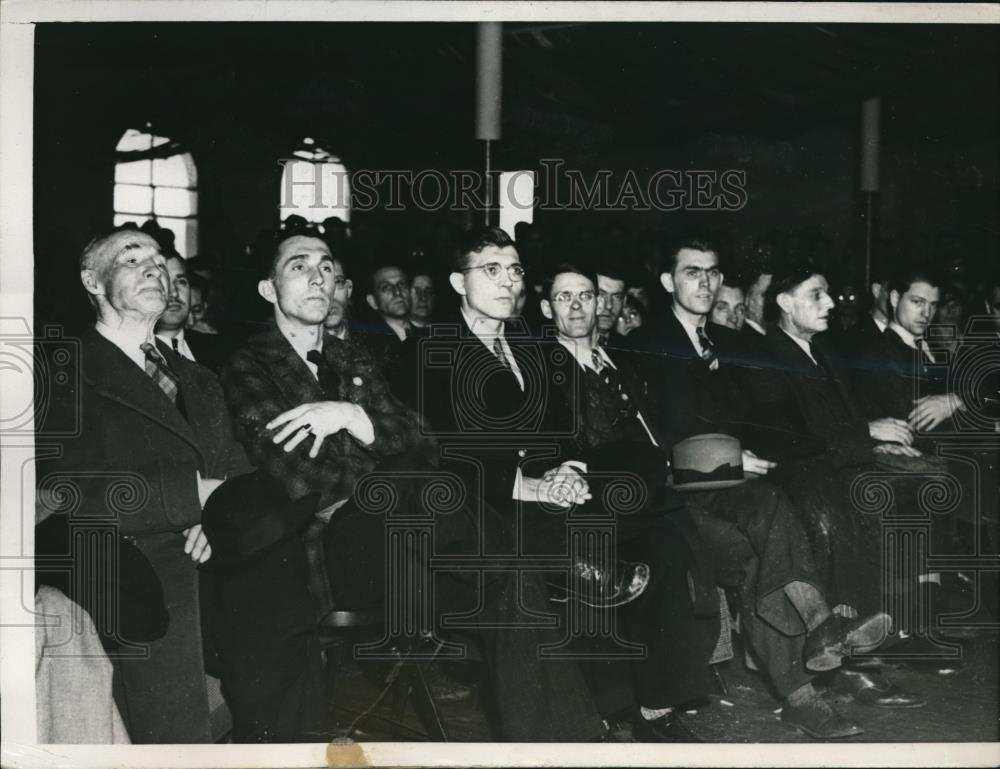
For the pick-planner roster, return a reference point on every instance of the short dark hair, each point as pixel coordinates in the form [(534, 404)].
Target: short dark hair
[(904, 277), (788, 274), (585, 270), (290, 228), (474, 241), (612, 270), (668, 259)]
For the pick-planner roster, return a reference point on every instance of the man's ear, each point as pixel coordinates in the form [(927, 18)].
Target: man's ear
[(266, 289), (546, 308), (91, 282), (667, 281), (457, 281), (371, 302), (893, 302), (784, 303)]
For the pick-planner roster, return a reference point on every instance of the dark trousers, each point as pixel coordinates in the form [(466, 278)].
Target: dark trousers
[(265, 633), (164, 698), (759, 546), (537, 699)]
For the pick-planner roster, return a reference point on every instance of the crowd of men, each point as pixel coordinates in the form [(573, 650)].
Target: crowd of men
[(265, 475)]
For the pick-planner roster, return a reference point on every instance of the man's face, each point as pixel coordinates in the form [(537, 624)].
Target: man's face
[(178, 296), (422, 297), (572, 304), (755, 298), (342, 288), (695, 280), (197, 313), (611, 298), (130, 273), (730, 308), (391, 297), (491, 297), (303, 283), (915, 307), (808, 306)]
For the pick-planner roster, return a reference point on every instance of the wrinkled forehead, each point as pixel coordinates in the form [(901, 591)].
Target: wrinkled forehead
[(300, 246), (107, 250), (572, 281)]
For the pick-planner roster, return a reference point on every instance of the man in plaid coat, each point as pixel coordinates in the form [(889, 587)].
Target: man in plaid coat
[(316, 416)]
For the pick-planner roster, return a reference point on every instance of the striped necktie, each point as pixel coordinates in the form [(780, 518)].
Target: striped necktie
[(501, 355), (707, 349)]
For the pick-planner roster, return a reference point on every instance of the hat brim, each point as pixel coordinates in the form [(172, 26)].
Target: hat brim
[(714, 485)]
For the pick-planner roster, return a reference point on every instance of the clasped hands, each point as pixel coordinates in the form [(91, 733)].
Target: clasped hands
[(321, 419), (563, 486)]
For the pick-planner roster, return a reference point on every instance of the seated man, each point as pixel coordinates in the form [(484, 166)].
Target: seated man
[(730, 308), (422, 300), (753, 530), (207, 349), (155, 441), (800, 386), (317, 416)]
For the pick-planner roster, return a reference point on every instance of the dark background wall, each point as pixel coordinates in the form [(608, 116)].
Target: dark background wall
[(779, 102)]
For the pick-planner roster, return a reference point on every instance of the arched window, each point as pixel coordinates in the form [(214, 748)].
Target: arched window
[(156, 179), (314, 185)]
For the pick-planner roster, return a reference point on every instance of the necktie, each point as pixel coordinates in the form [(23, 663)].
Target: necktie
[(925, 349), (160, 372), (501, 355), (707, 349), (174, 342), (609, 375), (329, 380)]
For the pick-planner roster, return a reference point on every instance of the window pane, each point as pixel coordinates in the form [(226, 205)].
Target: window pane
[(171, 201), (185, 234), (175, 171), (134, 172), (133, 199)]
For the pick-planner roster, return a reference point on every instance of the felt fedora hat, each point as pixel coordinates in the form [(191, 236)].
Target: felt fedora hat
[(708, 462)]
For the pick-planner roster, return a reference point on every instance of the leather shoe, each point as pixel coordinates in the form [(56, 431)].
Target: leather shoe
[(873, 689), (603, 588), (818, 719), (667, 728), (836, 638)]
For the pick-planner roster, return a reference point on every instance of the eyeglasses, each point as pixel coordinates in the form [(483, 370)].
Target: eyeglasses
[(494, 270), (568, 297)]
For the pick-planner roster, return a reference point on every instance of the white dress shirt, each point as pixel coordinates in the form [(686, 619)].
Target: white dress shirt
[(910, 342), (129, 341), (181, 346), (488, 340)]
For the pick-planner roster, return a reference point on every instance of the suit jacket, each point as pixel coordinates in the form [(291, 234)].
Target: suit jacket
[(852, 345), (694, 399), (398, 358), (792, 392), (477, 410), (135, 459), (892, 375), (210, 350), (267, 377)]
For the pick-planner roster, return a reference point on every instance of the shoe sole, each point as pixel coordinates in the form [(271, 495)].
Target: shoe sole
[(861, 640)]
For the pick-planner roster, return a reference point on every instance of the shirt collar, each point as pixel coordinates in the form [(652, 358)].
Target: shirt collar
[(903, 334), (586, 361), (690, 329), (806, 346), (128, 339), (477, 329)]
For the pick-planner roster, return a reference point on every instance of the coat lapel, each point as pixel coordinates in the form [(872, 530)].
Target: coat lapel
[(289, 371), (117, 378)]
